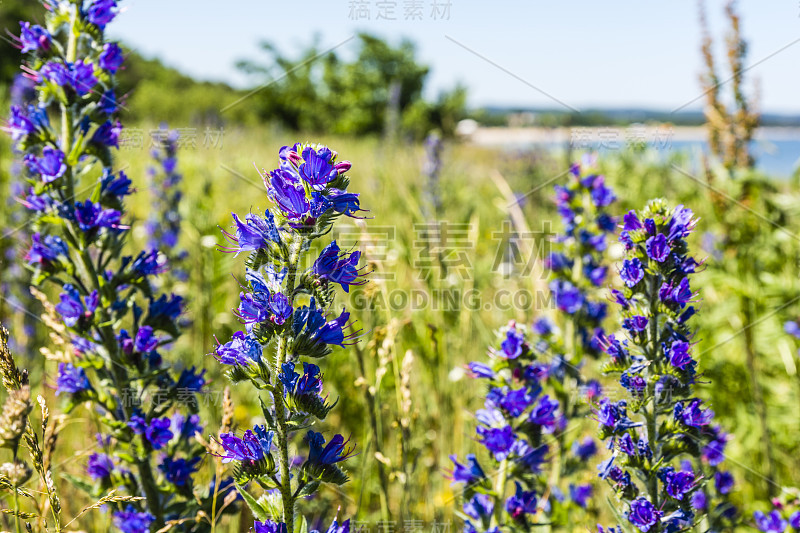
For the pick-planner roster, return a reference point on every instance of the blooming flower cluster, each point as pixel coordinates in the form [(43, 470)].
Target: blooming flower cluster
[(665, 453), (164, 225), (288, 318), (551, 361), (576, 263), (513, 427), (113, 316)]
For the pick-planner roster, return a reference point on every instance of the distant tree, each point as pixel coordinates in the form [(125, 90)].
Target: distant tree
[(322, 92)]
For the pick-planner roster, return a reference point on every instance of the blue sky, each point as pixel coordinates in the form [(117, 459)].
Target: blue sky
[(614, 53)]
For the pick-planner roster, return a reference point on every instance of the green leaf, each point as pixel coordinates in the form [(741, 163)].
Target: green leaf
[(258, 512), (79, 483)]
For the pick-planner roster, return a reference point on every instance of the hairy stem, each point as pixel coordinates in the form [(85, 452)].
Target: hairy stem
[(652, 416), (500, 492), (287, 496)]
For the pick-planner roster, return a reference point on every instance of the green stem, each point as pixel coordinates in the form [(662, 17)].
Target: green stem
[(16, 509), (500, 492), (287, 496), (651, 417)]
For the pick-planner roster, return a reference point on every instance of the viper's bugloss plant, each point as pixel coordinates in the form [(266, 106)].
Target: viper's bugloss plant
[(537, 375), (108, 307), (431, 170), (164, 224), (289, 323), (577, 265), (665, 453), (513, 426)]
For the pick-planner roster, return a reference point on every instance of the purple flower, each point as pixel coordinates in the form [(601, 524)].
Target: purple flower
[(679, 483), (544, 414), (191, 380), (336, 528), (568, 297), (33, 37), (158, 432), (693, 415), (469, 473), (91, 216), (557, 261), (658, 248), (497, 440), (288, 194), (19, 124), (101, 12), (585, 449), (165, 307), (770, 523), (272, 527), (580, 494), (108, 134), (252, 234), (137, 423), (699, 500), (336, 450), (81, 77), (57, 73), (792, 328), (339, 269), (185, 427), (50, 166), (632, 271), (316, 168), (71, 307), (533, 458), (100, 466), (310, 383), (280, 308), (635, 323), (602, 196), (511, 347), (108, 102), (178, 471), (150, 263), (132, 521), (723, 481), (631, 222), (643, 514), (242, 350), (250, 448), (542, 326), (794, 520), (681, 223), (479, 506), (111, 57), (332, 331), (481, 370), (47, 250), (521, 503), (714, 452), (682, 294), (678, 355)]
